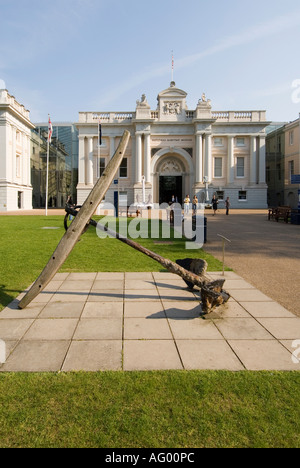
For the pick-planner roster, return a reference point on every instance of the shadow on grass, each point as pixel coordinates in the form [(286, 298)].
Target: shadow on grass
[(6, 298)]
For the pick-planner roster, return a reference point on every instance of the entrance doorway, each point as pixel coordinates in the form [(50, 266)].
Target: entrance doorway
[(169, 186)]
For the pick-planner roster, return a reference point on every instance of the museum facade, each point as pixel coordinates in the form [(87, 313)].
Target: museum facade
[(175, 151), (15, 152)]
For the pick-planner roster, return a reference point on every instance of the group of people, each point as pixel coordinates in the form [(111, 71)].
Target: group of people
[(187, 202), (214, 202)]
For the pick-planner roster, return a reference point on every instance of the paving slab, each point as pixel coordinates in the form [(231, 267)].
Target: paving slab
[(62, 310), (260, 355), (144, 309), (146, 321), (151, 355), (282, 328), (37, 356), (212, 354), (102, 309), (94, 356), (149, 329), (99, 329), (266, 309), (242, 328)]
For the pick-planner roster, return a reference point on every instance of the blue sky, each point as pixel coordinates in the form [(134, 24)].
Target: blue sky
[(65, 56)]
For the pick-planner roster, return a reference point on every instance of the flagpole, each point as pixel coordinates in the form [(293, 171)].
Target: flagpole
[(47, 169), (172, 66), (99, 150), (47, 175)]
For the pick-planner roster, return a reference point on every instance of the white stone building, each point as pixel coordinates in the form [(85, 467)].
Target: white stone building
[(178, 151), (15, 171)]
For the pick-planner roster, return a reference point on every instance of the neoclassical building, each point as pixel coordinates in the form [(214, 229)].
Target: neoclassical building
[(15, 152), (177, 151)]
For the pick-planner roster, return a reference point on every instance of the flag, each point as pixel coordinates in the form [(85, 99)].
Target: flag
[(50, 130), (100, 134)]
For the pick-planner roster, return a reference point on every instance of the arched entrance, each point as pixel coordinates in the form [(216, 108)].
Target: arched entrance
[(169, 187), (172, 171)]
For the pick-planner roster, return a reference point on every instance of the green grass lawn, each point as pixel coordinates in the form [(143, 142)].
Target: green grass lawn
[(173, 409), (25, 248)]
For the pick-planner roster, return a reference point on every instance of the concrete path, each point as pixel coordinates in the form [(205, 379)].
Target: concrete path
[(265, 253), (146, 321)]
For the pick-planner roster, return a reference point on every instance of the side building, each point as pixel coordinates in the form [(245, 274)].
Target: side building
[(275, 154), (63, 164), (283, 162), (292, 163), (178, 151), (15, 133)]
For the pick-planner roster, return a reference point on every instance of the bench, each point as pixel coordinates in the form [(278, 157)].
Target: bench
[(271, 214), (130, 211), (282, 212)]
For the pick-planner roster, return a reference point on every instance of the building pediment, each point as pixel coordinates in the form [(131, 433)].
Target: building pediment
[(172, 92), (172, 103)]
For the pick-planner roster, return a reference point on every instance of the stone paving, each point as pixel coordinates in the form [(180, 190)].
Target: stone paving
[(146, 321)]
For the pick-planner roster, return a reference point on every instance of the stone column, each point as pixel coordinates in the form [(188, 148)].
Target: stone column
[(208, 157), (262, 160), (28, 162), (111, 147), (90, 168), (14, 155), (230, 167), (147, 160), (199, 159), (253, 161), (138, 158), (23, 167), (81, 163)]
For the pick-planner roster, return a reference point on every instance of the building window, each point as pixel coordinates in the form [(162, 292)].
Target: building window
[(124, 169), (242, 195), (240, 141), (218, 141), (101, 166), (18, 165), (218, 168), (291, 137), (220, 195), (279, 144), (278, 170), (240, 167)]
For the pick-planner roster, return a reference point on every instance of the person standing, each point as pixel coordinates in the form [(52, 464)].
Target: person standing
[(195, 205), (214, 203), (227, 205), (187, 205)]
